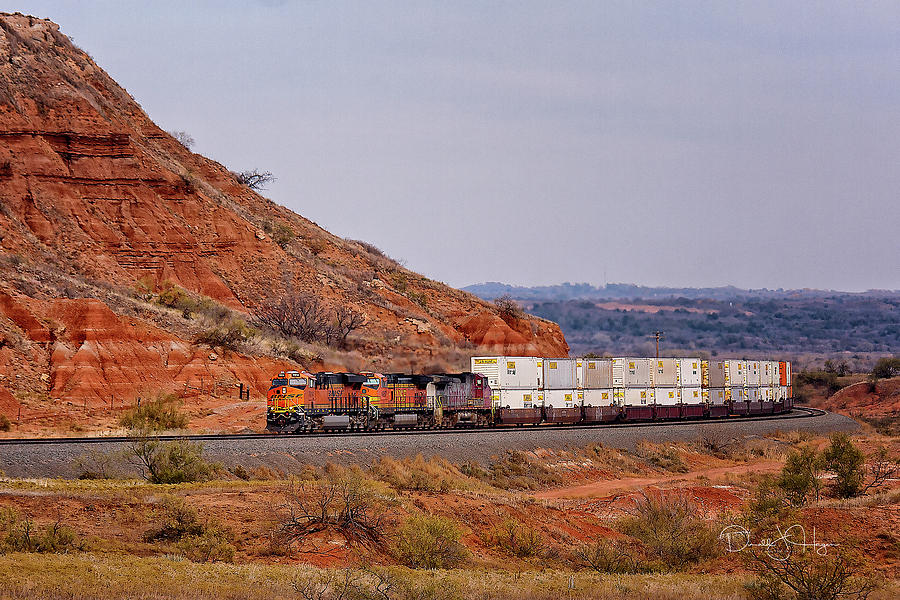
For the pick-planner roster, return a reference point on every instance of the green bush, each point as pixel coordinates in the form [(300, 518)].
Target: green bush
[(196, 540), (280, 233), (430, 542), (229, 335), (799, 477), (886, 368), (669, 528), (18, 535), (179, 461), (160, 413), (847, 463)]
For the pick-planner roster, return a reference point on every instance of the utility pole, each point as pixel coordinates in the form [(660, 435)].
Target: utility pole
[(659, 335)]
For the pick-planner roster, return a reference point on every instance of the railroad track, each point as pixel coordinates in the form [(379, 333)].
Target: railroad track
[(796, 413)]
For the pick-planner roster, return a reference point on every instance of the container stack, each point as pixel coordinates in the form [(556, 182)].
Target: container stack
[(727, 381), (597, 382), (560, 382), (516, 381)]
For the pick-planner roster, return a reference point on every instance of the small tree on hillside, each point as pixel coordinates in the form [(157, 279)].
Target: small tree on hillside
[(183, 138), (847, 462), (255, 179)]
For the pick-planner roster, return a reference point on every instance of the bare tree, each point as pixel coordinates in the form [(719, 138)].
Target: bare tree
[(792, 571), (346, 320), (882, 470), (303, 316), (345, 502), (307, 318), (255, 180), (183, 138)]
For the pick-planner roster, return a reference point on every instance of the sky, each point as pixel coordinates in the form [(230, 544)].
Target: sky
[(754, 144)]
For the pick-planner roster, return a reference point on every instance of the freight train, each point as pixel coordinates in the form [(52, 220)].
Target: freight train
[(517, 391)]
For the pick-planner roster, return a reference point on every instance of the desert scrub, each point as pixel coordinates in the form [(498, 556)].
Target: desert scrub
[(667, 458), (5, 424), (515, 539), (514, 471), (199, 541), (178, 461), (430, 542), (160, 413), (432, 475), (22, 535), (670, 530)]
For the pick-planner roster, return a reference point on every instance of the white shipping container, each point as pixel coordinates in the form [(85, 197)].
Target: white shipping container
[(599, 397), (579, 374), (510, 398), (664, 372), (754, 395), (768, 373), (559, 373), (689, 372), (560, 398), (667, 395), (692, 395), (739, 394), (632, 372), (597, 373), (725, 373), (635, 396), (509, 372), (753, 373), (719, 395)]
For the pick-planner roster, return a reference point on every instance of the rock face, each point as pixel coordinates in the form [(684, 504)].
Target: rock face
[(96, 201)]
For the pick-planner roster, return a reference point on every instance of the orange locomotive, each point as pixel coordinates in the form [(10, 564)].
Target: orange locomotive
[(303, 402)]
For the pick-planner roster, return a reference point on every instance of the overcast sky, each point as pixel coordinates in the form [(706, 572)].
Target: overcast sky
[(661, 143)]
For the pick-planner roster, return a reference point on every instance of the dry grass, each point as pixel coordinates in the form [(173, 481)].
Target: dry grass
[(83, 576)]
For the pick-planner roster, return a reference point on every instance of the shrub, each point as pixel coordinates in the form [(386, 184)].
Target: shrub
[(433, 475), (196, 540), (179, 461), (670, 529), (5, 424), (846, 461), (799, 574), (664, 457), (230, 335), (508, 308), (160, 413), (886, 368), (430, 542), (614, 556), (343, 501), (799, 477), (515, 539), (18, 535), (99, 465), (280, 233), (514, 471)]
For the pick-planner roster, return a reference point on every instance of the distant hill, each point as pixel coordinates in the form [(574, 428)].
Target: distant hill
[(727, 321), (585, 291)]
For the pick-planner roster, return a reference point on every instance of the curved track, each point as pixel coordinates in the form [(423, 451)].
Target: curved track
[(798, 412)]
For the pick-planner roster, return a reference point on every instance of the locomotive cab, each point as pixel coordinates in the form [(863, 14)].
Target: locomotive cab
[(285, 401)]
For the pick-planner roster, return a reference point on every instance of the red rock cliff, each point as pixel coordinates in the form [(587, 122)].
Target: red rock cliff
[(96, 201)]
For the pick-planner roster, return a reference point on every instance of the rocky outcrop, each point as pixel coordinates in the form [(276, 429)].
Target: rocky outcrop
[(96, 200)]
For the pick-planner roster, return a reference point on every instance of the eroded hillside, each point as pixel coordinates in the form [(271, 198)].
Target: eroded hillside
[(100, 210)]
